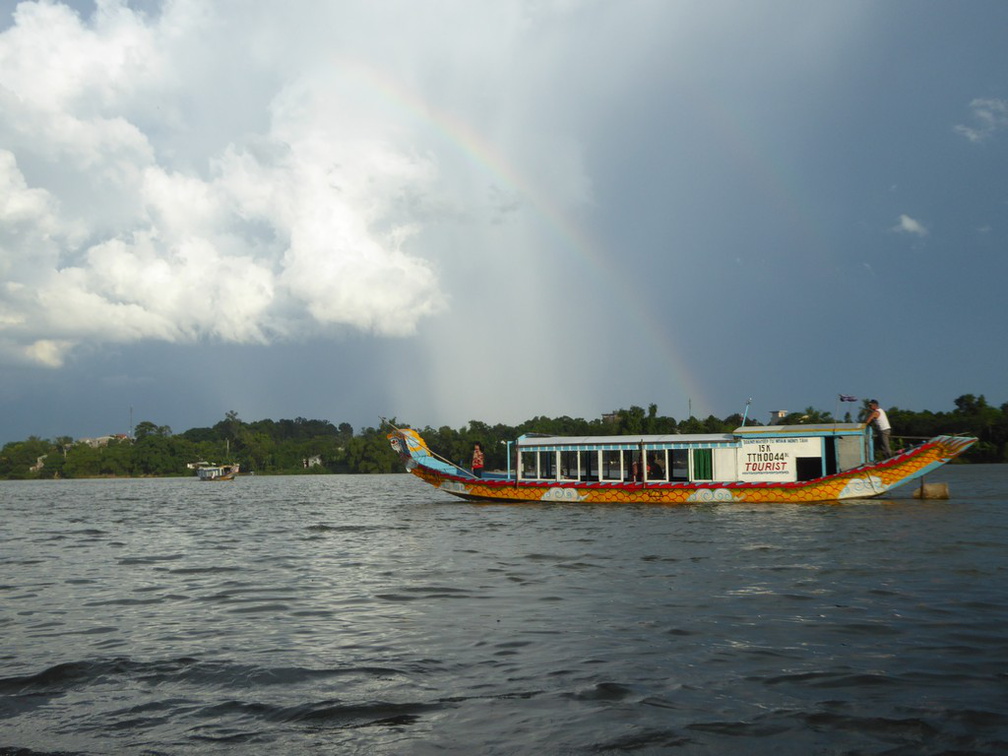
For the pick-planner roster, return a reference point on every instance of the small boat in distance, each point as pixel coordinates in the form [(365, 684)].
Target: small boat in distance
[(776, 463), (210, 471)]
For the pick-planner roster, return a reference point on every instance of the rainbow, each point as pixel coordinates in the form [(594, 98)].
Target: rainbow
[(569, 236)]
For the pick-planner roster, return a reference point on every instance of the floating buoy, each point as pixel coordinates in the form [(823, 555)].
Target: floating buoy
[(932, 491)]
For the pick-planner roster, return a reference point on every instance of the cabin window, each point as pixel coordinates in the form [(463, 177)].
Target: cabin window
[(538, 464), (703, 464), (657, 465), (634, 470), (569, 465), (589, 465), (678, 466), (612, 465), (530, 464)]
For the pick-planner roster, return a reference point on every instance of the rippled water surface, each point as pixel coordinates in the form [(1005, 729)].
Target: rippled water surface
[(345, 614)]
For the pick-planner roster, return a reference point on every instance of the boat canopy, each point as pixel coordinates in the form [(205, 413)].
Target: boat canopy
[(779, 453), (613, 443), (789, 431), (538, 442)]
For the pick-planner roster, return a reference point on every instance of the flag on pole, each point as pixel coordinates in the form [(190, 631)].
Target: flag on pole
[(847, 398)]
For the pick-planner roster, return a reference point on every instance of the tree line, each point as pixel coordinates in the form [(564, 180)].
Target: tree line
[(302, 446)]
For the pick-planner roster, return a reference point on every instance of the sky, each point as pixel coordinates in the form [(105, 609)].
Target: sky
[(450, 211)]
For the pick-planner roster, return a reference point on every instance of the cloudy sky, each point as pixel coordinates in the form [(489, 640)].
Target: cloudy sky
[(450, 210)]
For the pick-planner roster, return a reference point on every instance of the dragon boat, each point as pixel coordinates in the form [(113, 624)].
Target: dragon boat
[(776, 463)]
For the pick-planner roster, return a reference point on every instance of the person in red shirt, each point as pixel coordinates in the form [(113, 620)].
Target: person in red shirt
[(477, 460)]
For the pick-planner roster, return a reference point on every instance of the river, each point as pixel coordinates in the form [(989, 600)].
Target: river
[(375, 615)]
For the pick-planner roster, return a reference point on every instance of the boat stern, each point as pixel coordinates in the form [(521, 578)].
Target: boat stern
[(912, 464)]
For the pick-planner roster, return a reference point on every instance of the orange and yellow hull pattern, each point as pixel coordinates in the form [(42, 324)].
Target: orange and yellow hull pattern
[(860, 483)]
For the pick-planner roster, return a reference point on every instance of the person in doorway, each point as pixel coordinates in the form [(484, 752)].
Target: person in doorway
[(477, 460), (878, 418)]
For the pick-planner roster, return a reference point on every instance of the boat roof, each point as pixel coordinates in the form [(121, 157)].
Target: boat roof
[(811, 429), (627, 440), (530, 441)]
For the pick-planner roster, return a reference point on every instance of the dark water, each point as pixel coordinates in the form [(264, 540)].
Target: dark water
[(374, 615)]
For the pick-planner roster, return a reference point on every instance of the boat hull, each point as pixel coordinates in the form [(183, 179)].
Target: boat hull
[(866, 481)]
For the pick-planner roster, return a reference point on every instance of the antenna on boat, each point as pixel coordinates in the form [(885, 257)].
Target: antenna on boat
[(746, 414)]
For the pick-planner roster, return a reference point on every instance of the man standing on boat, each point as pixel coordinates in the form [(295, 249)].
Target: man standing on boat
[(477, 460), (878, 417)]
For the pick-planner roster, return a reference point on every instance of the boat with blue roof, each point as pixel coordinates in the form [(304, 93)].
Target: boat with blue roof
[(775, 463)]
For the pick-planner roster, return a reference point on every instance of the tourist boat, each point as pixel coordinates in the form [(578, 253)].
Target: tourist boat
[(776, 463), (217, 472)]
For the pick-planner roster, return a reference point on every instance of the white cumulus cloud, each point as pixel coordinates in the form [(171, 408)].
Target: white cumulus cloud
[(989, 116), (908, 225), (135, 204)]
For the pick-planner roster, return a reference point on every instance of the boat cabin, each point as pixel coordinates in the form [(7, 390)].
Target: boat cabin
[(750, 454)]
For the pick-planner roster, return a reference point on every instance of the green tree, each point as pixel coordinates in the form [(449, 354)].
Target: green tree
[(282, 446), (200, 435), (258, 451), (714, 425), (809, 416), (691, 426), (147, 428), (158, 454), (984, 422), (116, 459), (21, 459), (632, 421), (230, 428), (82, 461)]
